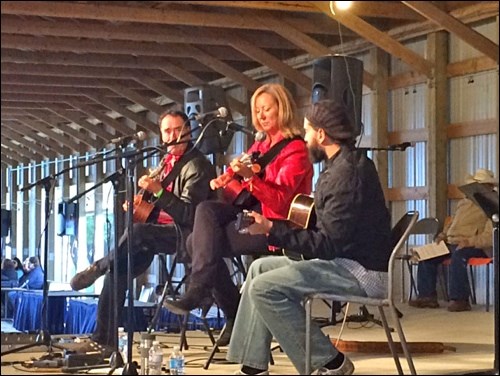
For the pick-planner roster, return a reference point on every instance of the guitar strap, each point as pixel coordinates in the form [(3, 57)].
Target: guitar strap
[(274, 151), (186, 157)]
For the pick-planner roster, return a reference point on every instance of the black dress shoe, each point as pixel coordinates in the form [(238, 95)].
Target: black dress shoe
[(225, 334), (195, 297)]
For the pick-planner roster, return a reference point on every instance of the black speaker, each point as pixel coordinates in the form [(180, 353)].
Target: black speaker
[(215, 137), (6, 222), (340, 78), (67, 216)]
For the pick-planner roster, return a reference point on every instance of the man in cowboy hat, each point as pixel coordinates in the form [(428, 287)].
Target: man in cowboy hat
[(468, 234)]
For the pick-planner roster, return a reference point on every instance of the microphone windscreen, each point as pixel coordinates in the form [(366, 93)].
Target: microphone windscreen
[(223, 112), (260, 136)]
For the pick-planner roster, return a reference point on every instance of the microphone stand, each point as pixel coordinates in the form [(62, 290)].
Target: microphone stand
[(116, 359), (43, 337)]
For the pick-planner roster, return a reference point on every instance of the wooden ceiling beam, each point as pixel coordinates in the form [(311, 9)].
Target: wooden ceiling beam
[(75, 71), (308, 44), (51, 131), (97, 129), (117, 125), (141, 121), (454, 26), (106, 12), (79, 136), (19, 78), (361, 8), (64, 44), (11, 161), (246, 47), (129, 32), (20, 149), (10, 130), (10, 152), (380, 39), (223, 68), (137, 98)]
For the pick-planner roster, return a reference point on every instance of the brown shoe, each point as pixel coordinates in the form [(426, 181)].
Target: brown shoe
[(424, 302), (86, 277), (459, 306)]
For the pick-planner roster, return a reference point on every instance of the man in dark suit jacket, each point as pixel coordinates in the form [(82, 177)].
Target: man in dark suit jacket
[(174, 207)]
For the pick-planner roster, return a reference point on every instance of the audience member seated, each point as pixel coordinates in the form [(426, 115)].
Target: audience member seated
[(9, 275), (32, 279), (33, 274), (469, 234), (18, 265)]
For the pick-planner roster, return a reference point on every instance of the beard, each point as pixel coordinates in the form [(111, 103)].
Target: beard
[(316, 154)]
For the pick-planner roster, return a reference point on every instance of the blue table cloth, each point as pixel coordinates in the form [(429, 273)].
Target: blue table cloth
[(28, 311), (81, 317)]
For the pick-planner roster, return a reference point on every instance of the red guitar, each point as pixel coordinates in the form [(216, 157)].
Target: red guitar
[(233, 192)]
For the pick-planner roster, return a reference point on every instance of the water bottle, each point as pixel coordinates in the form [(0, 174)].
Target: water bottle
[(123, 343), (176, 362), (146, 343), (155, 359)]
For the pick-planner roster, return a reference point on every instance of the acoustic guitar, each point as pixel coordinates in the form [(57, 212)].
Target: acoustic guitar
[(302, 215), (233, 192), (143, 208)]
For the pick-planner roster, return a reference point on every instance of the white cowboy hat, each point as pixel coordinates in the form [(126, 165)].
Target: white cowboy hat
[(481, 176)]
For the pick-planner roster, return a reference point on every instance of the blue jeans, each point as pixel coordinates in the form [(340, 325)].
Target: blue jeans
[(271, 306), (459, 280)]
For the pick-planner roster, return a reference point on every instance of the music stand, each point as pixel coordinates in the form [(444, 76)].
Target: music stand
[(487, 200)]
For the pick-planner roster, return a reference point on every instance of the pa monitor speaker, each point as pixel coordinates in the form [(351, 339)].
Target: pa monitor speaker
[(207, 109), (340, 78)]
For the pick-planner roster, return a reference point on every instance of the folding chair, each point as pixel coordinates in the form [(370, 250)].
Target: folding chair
[(399, 235), (428, 227)]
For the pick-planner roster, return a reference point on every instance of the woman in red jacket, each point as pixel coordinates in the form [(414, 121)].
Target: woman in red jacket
[(214, 233)]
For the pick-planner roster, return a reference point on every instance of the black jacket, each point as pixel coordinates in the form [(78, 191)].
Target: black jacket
[(352, 219), (190, 187)]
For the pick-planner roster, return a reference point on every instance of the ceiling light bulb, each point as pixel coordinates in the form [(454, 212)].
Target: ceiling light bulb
[(343, 5)]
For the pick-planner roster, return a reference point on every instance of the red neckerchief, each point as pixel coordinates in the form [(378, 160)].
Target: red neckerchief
[(169, 161)]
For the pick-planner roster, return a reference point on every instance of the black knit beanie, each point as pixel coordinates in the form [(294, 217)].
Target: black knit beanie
[(332, 117)]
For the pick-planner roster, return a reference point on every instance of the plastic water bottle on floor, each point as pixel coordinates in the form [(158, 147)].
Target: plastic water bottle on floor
[(176, 362), (123, 343), (155, 359)]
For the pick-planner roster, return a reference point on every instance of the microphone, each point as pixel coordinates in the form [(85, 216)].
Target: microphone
[(220, 112), (402, 146), (139, 136), (235, 127)]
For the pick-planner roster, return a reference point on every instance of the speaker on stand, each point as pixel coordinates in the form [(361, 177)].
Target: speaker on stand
[(67, 217), (340, 78), (202, 100)]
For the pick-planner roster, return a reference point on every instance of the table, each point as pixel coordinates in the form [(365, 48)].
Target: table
[(28, 309)]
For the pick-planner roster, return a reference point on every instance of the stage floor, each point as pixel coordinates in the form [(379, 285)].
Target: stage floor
[(470, 333)]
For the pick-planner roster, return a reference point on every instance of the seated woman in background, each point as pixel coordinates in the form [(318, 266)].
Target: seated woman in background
[(9, 275)]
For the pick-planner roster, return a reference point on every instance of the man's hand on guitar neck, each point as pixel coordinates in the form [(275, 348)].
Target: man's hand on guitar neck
[(262, 225)]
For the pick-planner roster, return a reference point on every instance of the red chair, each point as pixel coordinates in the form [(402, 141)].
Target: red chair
[(472, 262), (479, 261)]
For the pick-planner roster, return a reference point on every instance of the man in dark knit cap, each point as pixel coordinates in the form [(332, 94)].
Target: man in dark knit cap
[(346, 253)]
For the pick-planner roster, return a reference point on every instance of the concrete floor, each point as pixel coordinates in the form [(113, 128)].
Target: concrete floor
[(468, 339)]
